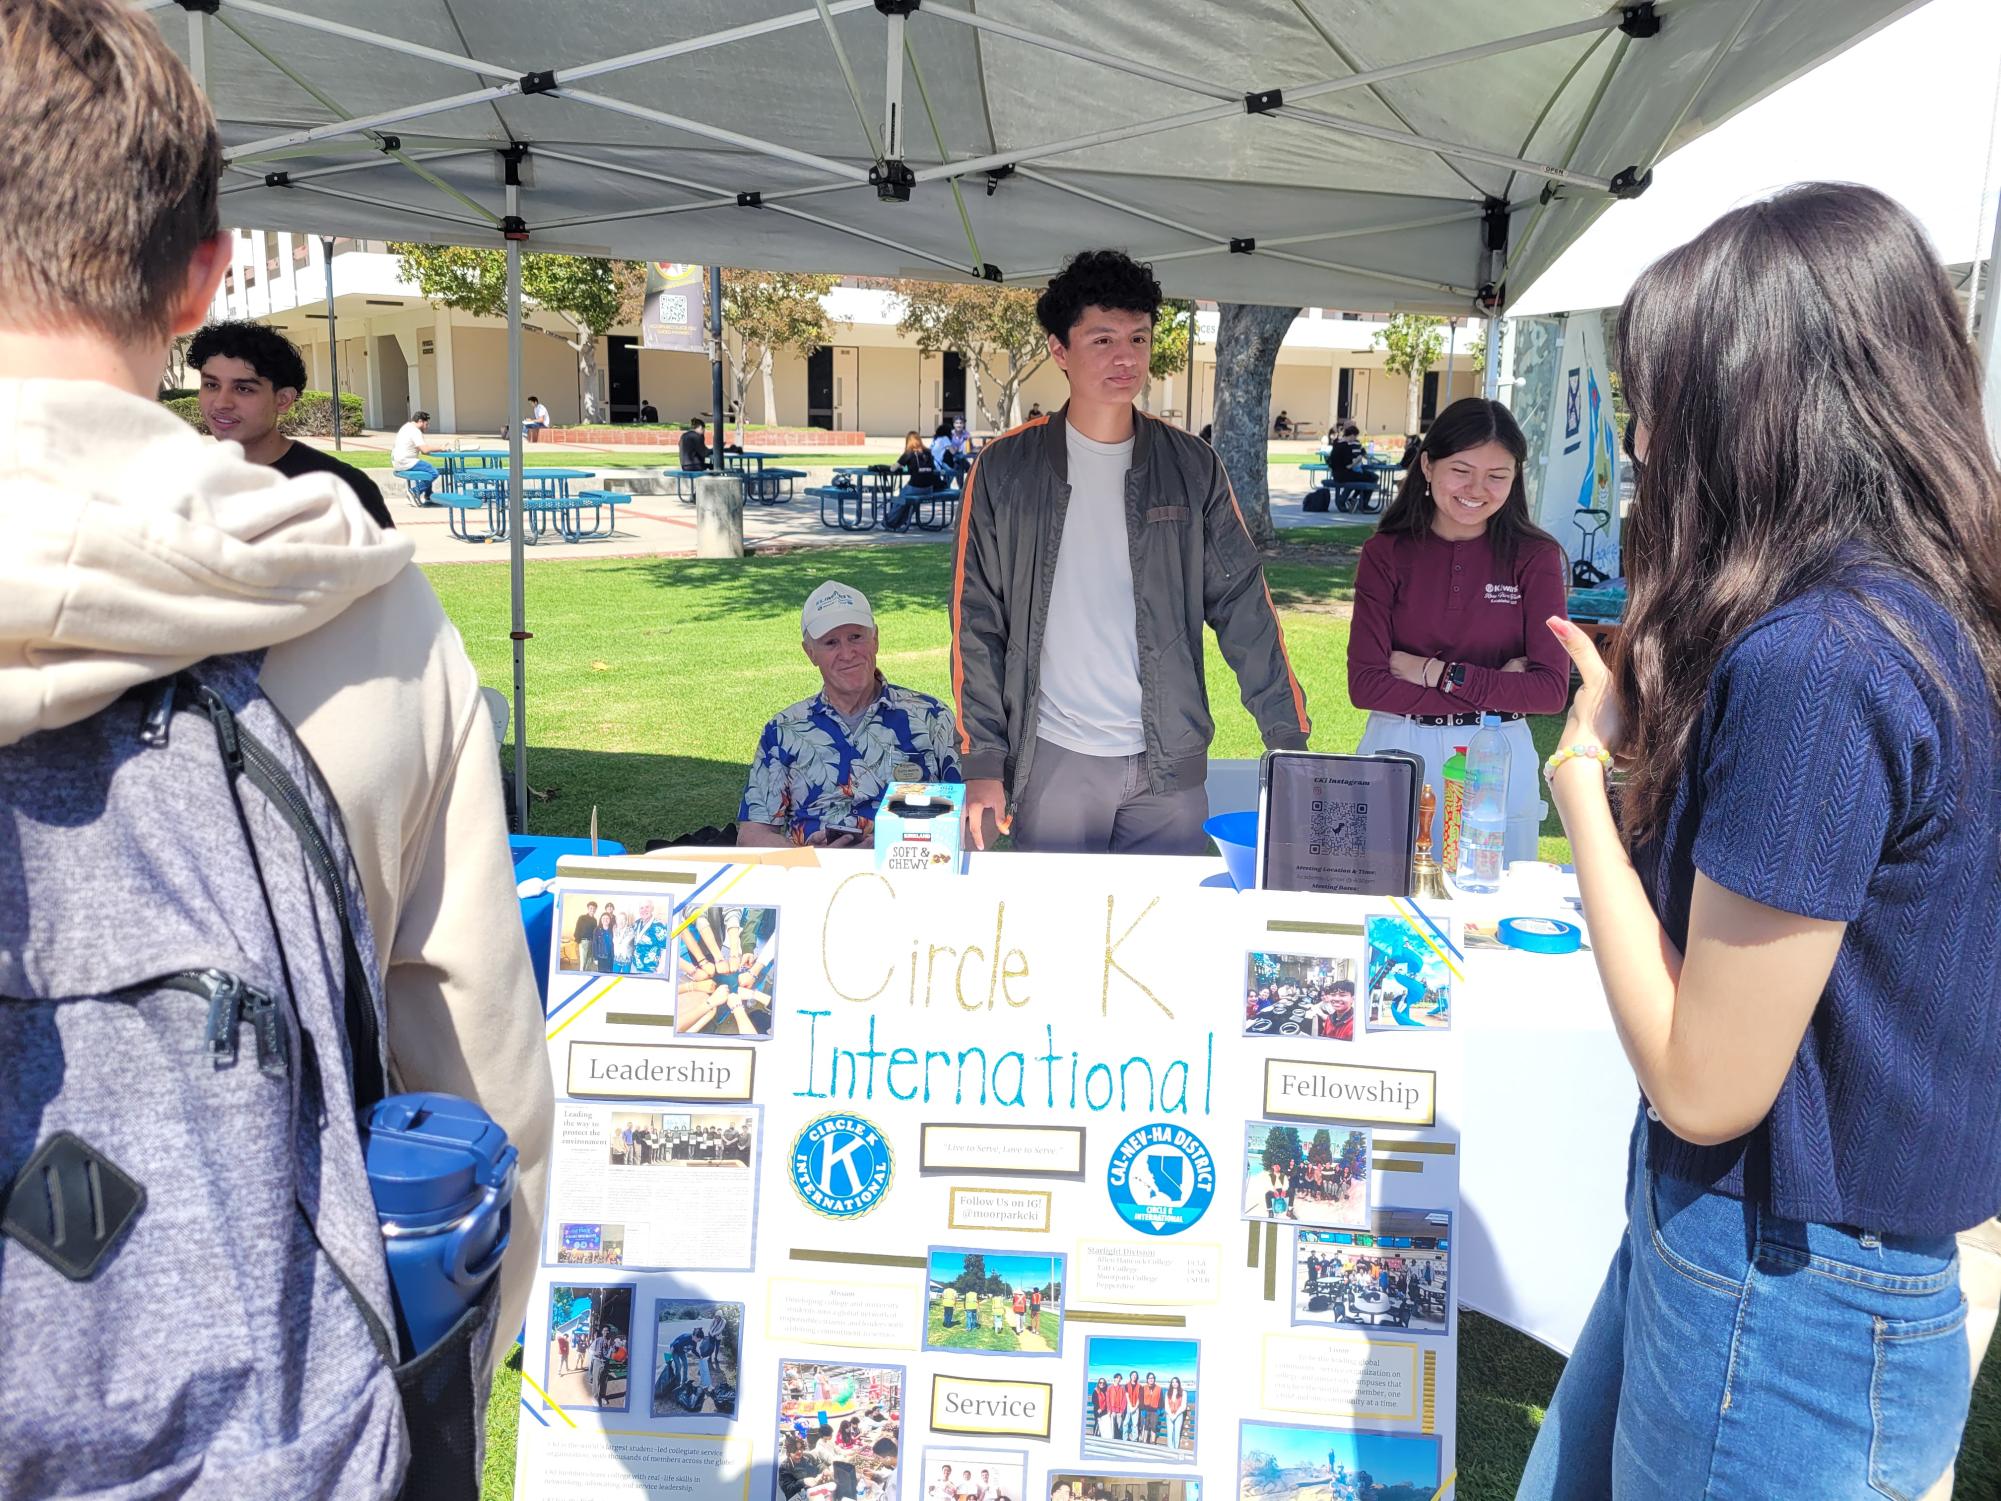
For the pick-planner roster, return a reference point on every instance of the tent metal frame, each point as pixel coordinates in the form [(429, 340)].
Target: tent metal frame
[(892, 176)]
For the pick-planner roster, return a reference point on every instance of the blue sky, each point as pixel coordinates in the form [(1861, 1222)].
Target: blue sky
[(1390, 1459), (1017, 1271), (1166, 1358)]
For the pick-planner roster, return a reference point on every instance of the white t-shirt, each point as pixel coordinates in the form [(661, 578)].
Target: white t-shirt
[(1089, 700), (408, 448), (541, 414)]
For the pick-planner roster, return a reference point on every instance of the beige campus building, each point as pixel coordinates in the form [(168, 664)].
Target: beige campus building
[(399, 353)]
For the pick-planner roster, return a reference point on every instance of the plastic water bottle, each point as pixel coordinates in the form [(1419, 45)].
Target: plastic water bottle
[(1483, 833), (443, 1176)]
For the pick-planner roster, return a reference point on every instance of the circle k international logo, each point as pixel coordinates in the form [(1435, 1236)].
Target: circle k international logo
[(1161, 1179), (841, 1166)]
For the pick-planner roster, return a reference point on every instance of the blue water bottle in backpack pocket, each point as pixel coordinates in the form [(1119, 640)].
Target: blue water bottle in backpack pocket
[(443, 1175)]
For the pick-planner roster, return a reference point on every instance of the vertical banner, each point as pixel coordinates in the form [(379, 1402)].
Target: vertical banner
[(1580, 445), (672, 318)]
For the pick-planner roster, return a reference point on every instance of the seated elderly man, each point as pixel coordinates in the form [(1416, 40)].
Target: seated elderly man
[(823, 765)]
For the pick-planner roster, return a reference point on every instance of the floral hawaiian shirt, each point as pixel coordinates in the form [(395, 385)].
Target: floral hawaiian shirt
[(812, 773)]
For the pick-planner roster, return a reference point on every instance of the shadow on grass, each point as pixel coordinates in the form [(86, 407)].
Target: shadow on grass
[(1505, 1382), (767, 586), (637, 796)]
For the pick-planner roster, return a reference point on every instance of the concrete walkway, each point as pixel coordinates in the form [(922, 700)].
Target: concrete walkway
[(659, 525)]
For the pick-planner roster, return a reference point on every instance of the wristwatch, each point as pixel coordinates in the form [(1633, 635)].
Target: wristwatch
[(1453, 678)]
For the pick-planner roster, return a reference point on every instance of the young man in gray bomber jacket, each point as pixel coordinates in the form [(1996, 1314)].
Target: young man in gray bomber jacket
[(1094, 546)]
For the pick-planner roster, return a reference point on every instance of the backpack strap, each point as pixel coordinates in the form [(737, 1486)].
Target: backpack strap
[(248, 759)]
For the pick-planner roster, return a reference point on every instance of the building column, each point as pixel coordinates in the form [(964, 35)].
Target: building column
[(412, 345), (373, 415), (447, 412)]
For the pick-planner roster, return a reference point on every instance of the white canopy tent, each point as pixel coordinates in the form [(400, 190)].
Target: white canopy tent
[(1367, 154)]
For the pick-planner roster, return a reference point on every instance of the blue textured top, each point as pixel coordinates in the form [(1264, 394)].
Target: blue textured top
[(1831, 777)]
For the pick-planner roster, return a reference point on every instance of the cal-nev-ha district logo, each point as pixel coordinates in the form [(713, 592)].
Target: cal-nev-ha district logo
[(1161, 1179), (841, 1166)]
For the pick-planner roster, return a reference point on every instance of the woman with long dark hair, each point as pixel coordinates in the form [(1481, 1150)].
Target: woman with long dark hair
[(1450, 599), (1793, 910)]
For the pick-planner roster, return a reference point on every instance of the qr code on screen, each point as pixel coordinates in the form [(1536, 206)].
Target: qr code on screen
[(673, 308), (1337, 828)]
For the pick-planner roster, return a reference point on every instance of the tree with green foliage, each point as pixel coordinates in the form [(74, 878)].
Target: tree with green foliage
[(1321, 1152), (972, 1276), (993, 330), (1172, 332), (1281, 1149), (593, 295), (1412, 344), (765, 312)]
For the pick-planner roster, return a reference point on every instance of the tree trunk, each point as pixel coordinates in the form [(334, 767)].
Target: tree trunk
[(770, 400), (586, 346), (1416, 401), (1247, 340), (974, 410)]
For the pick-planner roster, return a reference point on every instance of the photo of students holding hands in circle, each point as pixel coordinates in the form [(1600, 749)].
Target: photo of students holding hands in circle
[(728, 971), (1451, 596)]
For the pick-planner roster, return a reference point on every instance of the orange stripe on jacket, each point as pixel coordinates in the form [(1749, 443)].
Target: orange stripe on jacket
[(1298, 695), (959, 582)]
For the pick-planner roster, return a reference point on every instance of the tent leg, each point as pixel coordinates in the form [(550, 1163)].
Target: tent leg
[(1990, 346), (515, 566), (1493, 386)]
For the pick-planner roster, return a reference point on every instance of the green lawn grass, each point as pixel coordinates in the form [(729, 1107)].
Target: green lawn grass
[(984, 1336), (649, 680)]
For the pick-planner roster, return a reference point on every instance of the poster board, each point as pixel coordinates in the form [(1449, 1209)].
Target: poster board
[(671, 316), (865, 1186)]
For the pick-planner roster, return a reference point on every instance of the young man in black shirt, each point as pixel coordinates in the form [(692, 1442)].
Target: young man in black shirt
[(250, 377), (695, 445)]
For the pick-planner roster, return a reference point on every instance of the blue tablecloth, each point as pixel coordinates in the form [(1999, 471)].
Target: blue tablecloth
[(536, 856)]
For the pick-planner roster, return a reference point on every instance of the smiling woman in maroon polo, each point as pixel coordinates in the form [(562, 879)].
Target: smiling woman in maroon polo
[(1450, 599)]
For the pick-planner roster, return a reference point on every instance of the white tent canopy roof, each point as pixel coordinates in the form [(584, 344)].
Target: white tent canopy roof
[(1362, 184)]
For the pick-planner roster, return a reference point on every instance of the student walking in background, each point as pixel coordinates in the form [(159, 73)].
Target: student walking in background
[(1792, 912)]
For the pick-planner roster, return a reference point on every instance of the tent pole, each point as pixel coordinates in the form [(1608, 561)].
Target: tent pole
[(1451, 348), (716, 360), (515, 566), (333, 341), (1990, 346)]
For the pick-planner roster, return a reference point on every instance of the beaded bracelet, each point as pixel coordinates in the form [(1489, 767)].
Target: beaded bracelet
[(1580, 752)]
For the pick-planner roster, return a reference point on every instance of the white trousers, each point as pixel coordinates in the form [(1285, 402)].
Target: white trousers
[(1435, 743)]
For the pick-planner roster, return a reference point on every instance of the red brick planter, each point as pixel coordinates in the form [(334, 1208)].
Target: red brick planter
[(670, 437)]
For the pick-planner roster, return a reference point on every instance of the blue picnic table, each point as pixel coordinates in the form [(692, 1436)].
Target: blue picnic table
[(547, 504), (762, 481)]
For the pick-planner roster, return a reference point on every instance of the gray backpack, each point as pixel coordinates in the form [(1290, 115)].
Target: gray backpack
[(194, 1299)]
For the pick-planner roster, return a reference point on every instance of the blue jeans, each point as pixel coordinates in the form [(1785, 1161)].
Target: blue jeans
[(420, 477), (1735, 1354)]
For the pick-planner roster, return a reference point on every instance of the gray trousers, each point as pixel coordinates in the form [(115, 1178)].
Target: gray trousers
[(1093, 805)]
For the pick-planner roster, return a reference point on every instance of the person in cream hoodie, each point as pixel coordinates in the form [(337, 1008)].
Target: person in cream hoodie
[(135, 547)]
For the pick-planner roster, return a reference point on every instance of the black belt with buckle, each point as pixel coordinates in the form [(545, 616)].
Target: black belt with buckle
[(1438, 721)]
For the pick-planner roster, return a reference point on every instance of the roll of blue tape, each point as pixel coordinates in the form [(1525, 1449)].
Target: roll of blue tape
[(1541, 935)]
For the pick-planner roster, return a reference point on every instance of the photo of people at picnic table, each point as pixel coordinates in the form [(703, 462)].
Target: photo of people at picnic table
[(839, 1431), (994, 1301), (1320, 1180), (1299, 995), (1394, 1275)]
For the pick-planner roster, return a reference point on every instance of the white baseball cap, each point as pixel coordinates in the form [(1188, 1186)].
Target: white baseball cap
[(834, 604)]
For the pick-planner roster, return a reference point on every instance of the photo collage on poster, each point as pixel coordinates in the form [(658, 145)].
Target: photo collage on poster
[(765, 1282)]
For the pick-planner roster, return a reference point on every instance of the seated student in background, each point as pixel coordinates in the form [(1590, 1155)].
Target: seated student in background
[(823, 764), (647, 411), (1451, 596), (695, 444), (917, 464), (538, 416), (947, 451), (1413, 445), (250, 378), (407, 461), (1347, 458)]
